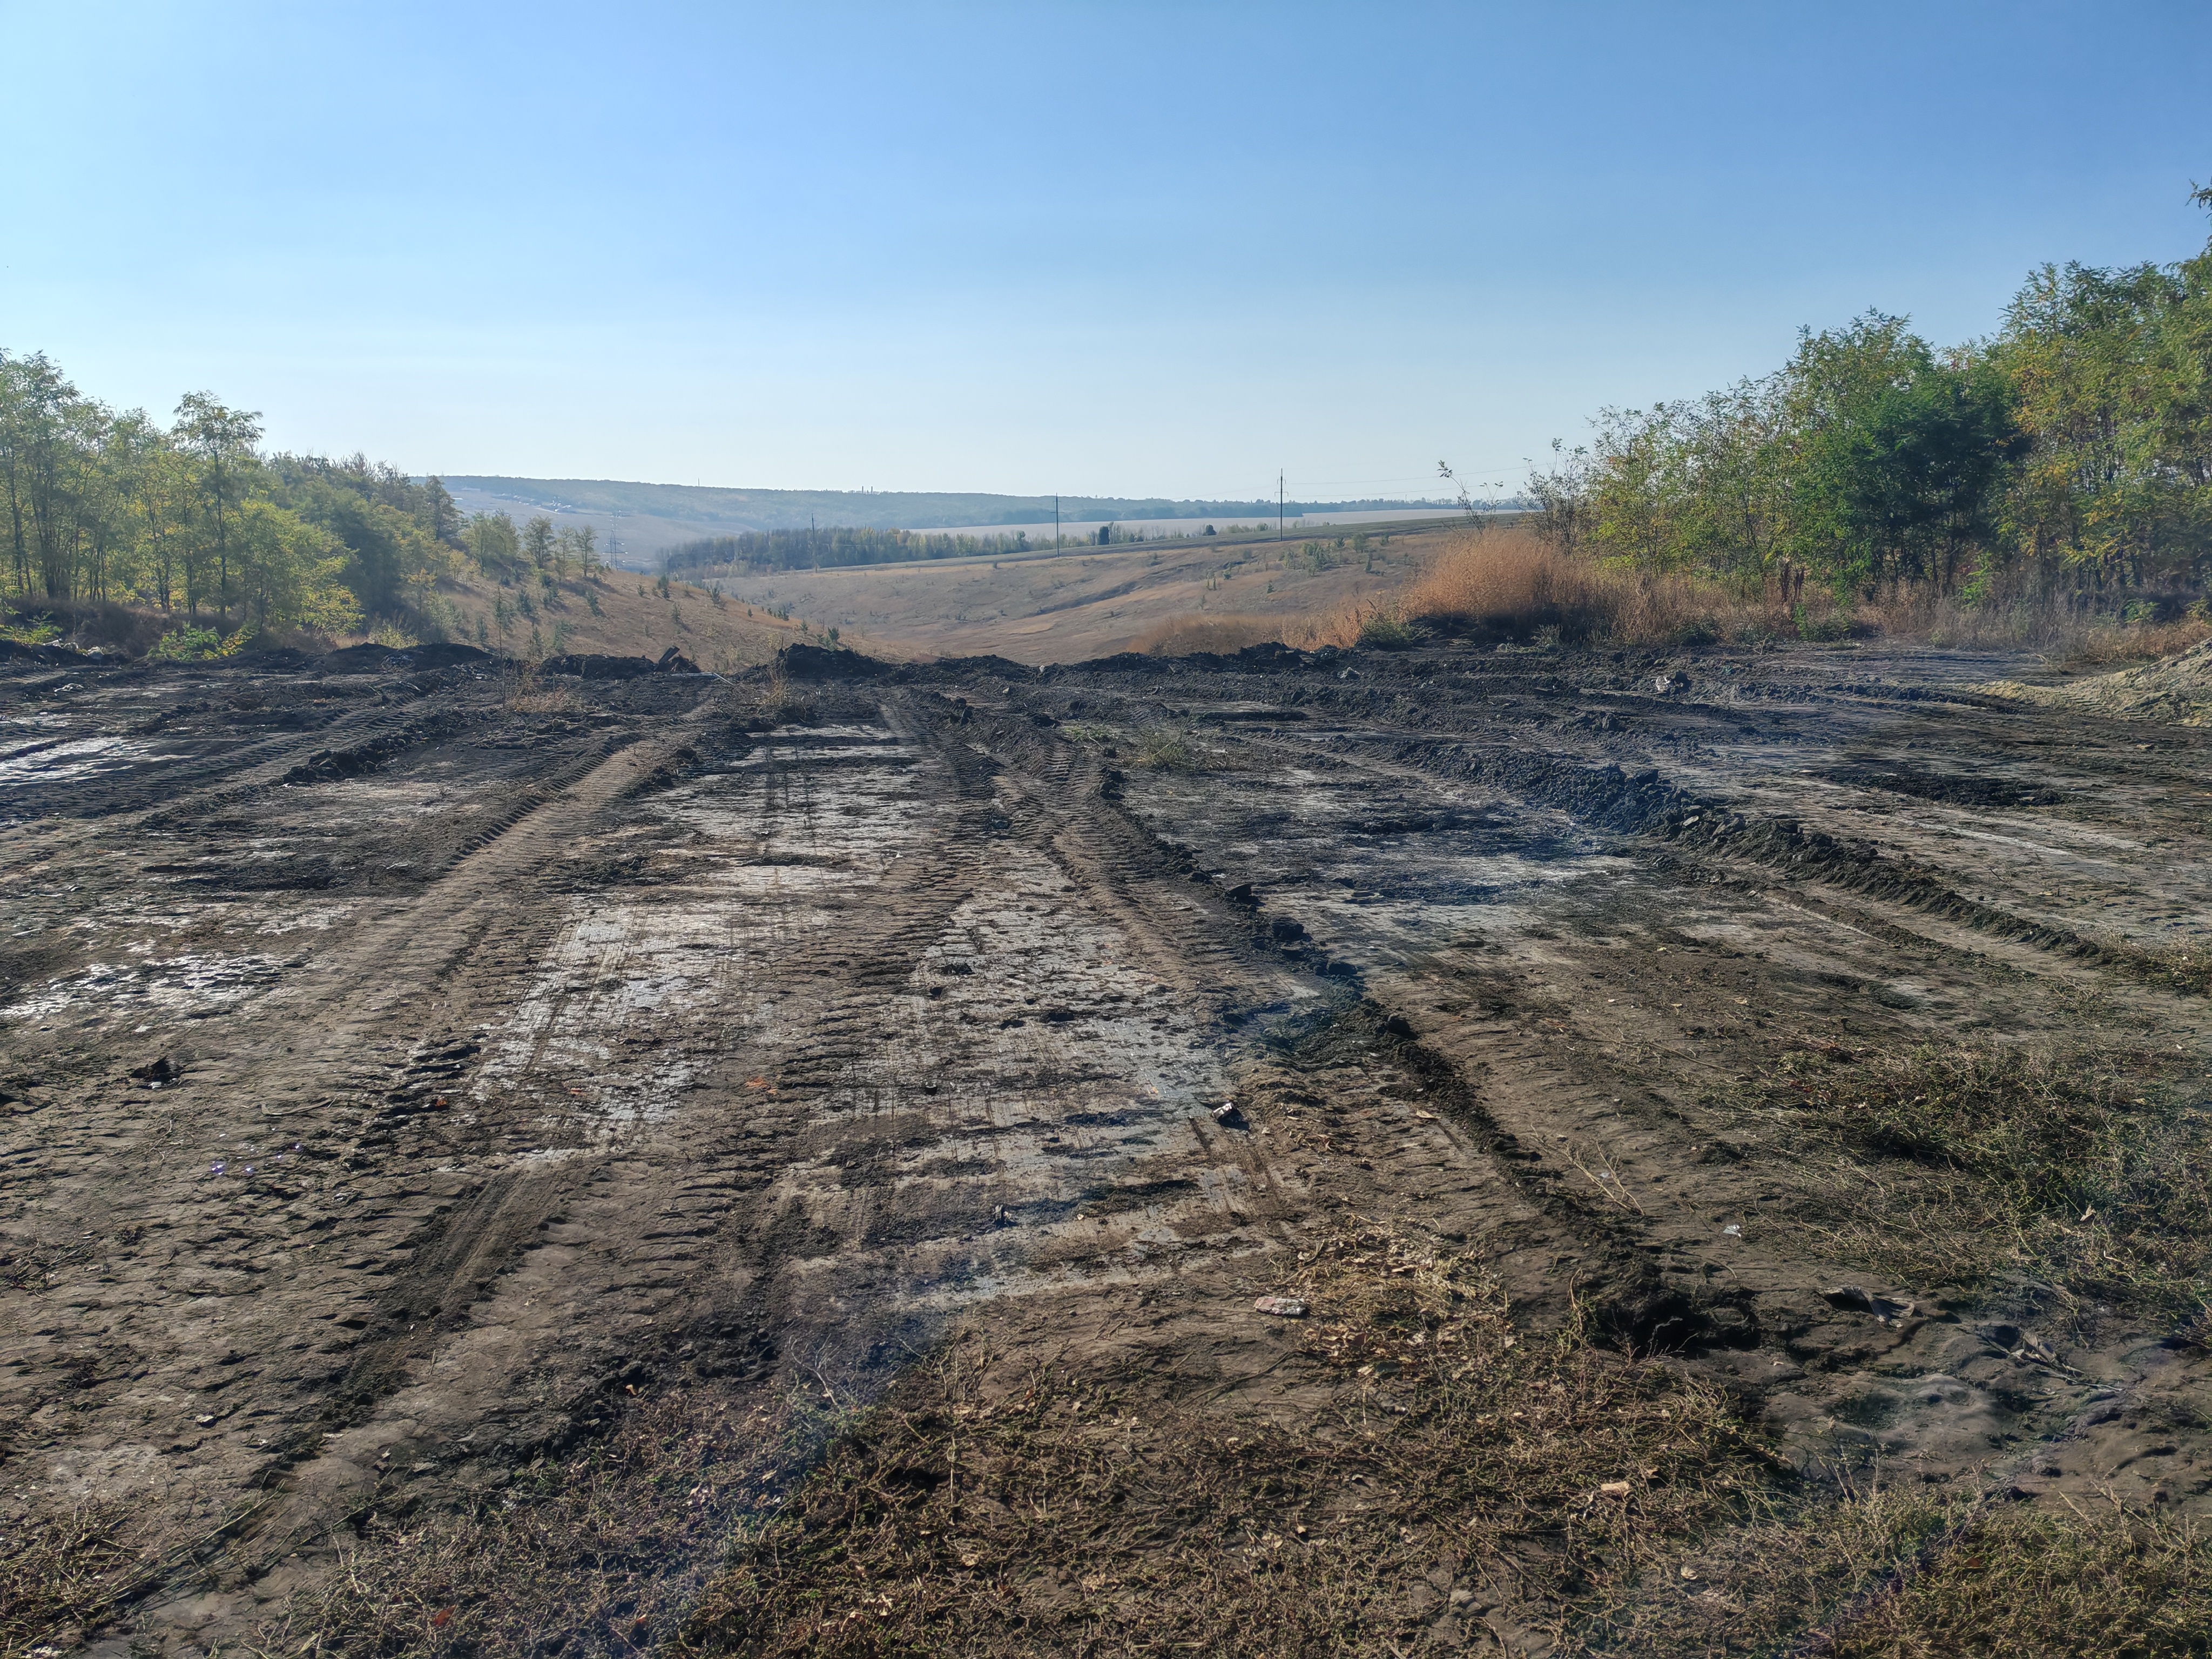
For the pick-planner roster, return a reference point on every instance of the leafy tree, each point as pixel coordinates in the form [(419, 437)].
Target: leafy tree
[(492, 542), (290, 571), (221, 441)]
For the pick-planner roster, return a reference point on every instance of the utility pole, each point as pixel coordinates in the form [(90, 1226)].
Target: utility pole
[(1279, 505), (1055, 522)]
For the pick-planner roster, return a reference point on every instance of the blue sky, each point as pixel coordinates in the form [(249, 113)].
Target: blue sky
[(1125, 249)]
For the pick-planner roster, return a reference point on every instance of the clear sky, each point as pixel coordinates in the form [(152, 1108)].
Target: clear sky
[(1127, 249)]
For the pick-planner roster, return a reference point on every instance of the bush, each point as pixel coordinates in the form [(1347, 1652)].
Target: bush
[(1820, 629), (1387, 630), (188, 645)]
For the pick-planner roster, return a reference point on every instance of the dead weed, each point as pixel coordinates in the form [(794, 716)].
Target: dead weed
[(60, 1574)]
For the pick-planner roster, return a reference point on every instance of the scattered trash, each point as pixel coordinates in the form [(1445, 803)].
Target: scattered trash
[(205, 1421), (1734, 1229), (1283, 1306), (2022, 1347), (1883, 1308), (215, 1168), (1612, 1489)]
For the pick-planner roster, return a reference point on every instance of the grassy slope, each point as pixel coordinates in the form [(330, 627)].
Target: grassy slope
[(1081, 604), (633, 619)]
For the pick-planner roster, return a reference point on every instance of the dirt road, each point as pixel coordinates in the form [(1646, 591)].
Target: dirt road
[(415, 1078)]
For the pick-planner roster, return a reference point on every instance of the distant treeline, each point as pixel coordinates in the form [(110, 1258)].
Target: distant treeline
[(823, 549), (2072, 449), (832, 546)]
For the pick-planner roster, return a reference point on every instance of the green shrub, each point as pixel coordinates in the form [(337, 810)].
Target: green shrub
[(188, 645), (1386, 630)]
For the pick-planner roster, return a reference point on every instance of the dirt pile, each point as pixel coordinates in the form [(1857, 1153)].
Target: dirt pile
[(503, 1163), (2177, 690)]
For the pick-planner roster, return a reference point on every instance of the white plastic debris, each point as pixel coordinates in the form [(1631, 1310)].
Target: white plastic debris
[(1732, 1230), (1283, 1306)]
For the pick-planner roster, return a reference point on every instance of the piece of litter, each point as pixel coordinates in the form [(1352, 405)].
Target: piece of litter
[(1283, 1306), (1613, 1489), (1690, 1573), (1732, 1230)]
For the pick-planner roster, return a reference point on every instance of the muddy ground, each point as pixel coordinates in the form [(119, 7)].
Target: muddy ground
[(427, 1099)]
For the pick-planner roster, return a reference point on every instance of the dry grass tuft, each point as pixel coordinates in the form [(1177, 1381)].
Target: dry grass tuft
[(2115, 646), (61, 1574), (1162, 749), (528, 693), (1508, 584)]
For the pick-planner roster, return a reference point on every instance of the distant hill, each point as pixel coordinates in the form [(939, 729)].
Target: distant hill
[(645, 520)]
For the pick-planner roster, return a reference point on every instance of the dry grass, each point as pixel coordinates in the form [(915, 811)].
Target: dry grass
[(528, 693), (1956, 1167), (60, 1574), (592, 1555), (2039, 1584), (1455, 1473), (1508, 584), (2113, 646)]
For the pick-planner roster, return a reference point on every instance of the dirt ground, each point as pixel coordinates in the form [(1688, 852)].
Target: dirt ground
[(740, 1164)]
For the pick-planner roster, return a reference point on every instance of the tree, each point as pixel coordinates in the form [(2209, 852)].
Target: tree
[(492, 542), (538, 541), (1563, 497), (289, 571), (221, 441)]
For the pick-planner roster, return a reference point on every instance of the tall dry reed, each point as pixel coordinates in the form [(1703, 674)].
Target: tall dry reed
[(1507, 584)]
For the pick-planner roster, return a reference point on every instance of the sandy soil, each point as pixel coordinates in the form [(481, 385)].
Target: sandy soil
[(409, 1082)]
